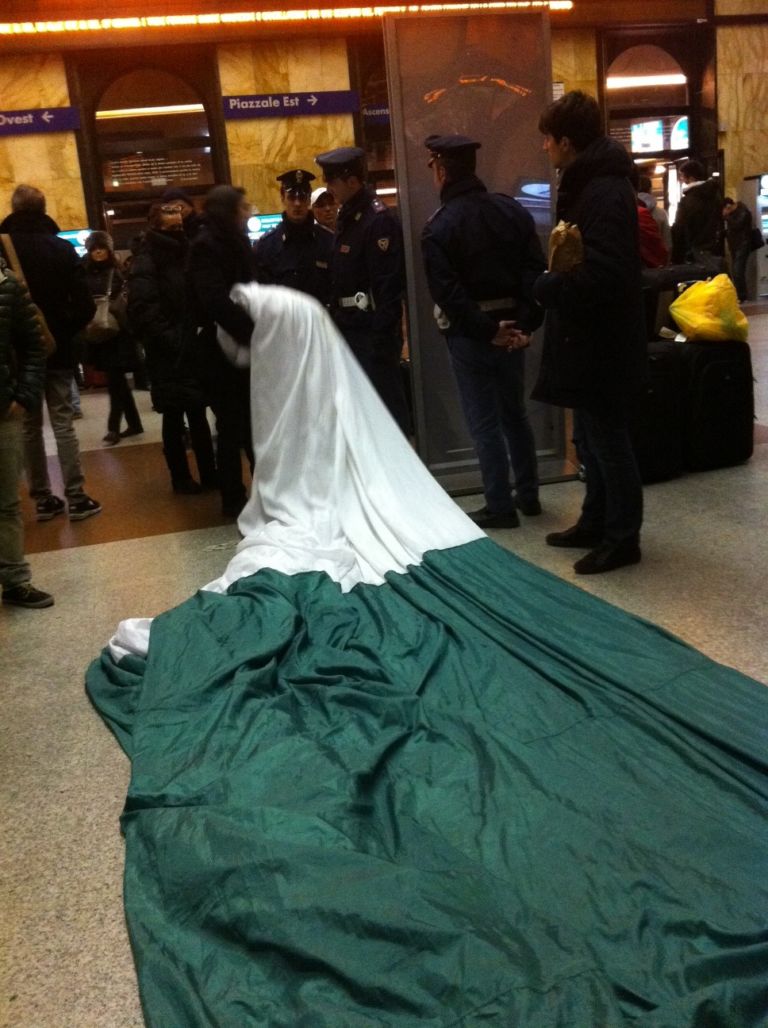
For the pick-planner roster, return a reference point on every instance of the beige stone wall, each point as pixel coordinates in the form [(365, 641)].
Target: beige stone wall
[(741, 7), (742, 101), (49, 160), (574, 59), (262, 148)]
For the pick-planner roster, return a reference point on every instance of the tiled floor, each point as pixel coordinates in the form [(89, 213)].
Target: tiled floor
[(64, 955)]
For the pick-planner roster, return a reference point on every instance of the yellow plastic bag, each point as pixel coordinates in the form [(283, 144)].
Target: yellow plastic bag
[(710, 311)]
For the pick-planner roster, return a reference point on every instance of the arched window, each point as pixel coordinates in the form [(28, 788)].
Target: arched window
[(645, 76)]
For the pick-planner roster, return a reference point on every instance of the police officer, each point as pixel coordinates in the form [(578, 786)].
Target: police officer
[(482, 256), (296, 253), (367, 276)]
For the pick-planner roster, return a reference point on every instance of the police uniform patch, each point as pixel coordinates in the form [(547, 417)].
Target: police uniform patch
[(383, 244)]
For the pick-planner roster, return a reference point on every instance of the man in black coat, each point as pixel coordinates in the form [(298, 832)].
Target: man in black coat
[(482, 257), (594, 347), (296, 253), (367, 276), (697, 232), (219, 256), (58, 285)]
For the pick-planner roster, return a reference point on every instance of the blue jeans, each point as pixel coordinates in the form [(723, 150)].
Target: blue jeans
[(491, 385), (613, 503)]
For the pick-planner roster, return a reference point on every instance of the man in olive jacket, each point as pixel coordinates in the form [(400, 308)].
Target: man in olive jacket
[(22, 372), (594, 356)]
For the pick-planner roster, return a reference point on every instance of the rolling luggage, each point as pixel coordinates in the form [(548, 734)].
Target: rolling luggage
[(657, 424), (719, 404)]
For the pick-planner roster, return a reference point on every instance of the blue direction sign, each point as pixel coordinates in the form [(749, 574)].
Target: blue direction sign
[(44, 119), (286, 105)]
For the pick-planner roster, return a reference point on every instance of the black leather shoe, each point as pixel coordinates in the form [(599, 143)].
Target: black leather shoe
[(485, 518), (575, 538), (529, 507), (607, 557)]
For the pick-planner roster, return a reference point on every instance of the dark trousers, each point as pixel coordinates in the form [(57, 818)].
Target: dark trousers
[(175, 450), (121, 402), (739, 270), (232, 408), (491, 384), (379, 358), (613, 503)]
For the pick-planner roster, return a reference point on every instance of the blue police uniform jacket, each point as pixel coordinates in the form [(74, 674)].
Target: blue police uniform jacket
[(368, 259), (296, 255), (480, 248)]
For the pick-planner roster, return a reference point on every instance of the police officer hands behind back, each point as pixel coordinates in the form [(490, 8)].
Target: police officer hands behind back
[(481, 256), (296, 253), (367, 276)]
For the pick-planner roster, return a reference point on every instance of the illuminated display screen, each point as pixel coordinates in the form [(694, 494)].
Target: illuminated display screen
[(77, 238), (647, 136)]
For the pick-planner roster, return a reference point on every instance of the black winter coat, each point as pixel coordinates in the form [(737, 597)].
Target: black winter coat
[(22, 353), (595, 343), (698, 225), (159, 317), (298, 256), (482, 246), (118, 353), (56, 280)]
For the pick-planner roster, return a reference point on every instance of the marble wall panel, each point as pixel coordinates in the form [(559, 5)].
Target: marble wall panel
[(262, 148), (49, 160), (742, 101), (574, 59), (741, 6)]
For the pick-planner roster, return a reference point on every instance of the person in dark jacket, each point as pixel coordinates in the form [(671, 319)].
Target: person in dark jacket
[(367, 276), (57, 284), (697, 232), (157, 315), (22, 375), (117, 355), (738, 234), (482, 257), (595, 346), (190, 219), (219, 256), (296, 253)]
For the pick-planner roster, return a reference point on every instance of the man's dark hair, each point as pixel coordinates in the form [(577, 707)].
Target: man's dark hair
[(645, 184), (692, 169), (728, 200), (28, 199), (575, 115)]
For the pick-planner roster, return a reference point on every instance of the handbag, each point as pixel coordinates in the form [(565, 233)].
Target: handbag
[(103, 326), (756, 239), (48, 340)]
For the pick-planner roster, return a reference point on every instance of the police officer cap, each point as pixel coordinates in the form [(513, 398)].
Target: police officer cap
[(454, 145), (344, 160), (296, 181)]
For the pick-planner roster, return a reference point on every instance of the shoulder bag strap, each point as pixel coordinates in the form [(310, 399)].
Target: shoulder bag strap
[(13, 259)]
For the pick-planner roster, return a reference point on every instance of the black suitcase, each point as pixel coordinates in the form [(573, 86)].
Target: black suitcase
[(719, 405), (657, 423)]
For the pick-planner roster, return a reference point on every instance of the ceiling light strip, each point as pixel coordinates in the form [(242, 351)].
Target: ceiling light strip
[(634, 81), (28, 28)]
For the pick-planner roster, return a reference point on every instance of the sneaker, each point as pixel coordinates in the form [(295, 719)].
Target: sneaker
[(48, 507), (485, 518), (111, 438), (608, 556), (575, 538), (26, 595), (83, 508), (529, 507)]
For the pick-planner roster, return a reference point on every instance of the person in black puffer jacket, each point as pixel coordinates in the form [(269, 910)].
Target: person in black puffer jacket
[(22, 375), (594, 355), (116, 356), (157, 315), (219, 256)]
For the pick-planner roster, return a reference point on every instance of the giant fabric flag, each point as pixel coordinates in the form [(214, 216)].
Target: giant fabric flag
[(384, 773)]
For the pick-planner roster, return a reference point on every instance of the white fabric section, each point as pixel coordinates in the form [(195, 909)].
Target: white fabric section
[(338, 487)]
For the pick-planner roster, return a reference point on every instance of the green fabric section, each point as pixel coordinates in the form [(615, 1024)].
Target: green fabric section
[(472, 796)]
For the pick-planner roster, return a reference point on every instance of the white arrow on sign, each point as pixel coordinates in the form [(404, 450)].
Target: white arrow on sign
[(47, 116), (312, 99)]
